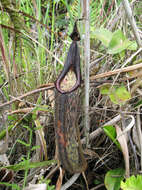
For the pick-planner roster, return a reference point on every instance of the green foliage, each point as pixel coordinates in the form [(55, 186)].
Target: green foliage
[(116, 42), (6, 93), (3, 132), (110, 131), (117, 94), (74, 11), (95, 8), (1, 80), (132, 183), (16, 187), (97, 182), (119, 43), (23, 143), (138, 104), (37, 66), (13, 186), (47, 182), (26, 165), (103, 35), (105, 88), (113, 179)]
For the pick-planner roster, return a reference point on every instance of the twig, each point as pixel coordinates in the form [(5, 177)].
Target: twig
[(86, 13), (121, 70), (102, 75), (41, 45), (139, 132), (25, 95), (3, 54), (115, 18), (134, 152), (70, 182), (98, 186), (100, 130), (85, 179), (97, 61), (132, 21)]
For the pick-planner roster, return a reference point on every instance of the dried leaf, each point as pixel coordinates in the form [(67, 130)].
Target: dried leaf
[(3, 146), (60, 179), (136, 139), (4, 159), (123, 143), (40, 134), (41, 186)]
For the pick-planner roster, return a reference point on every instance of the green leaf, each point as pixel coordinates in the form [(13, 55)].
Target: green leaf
[(119, 95), (14, 186), (26, 164), (105, 88), (103, 35), (132, 45), (6, 93), (115, 42), (12, 117), (110, 131), (132, 183), (35, 148), (1, 80), (3, 132), (97, 182), (120, 43), (23, 143), (138, 104), (113, 179)]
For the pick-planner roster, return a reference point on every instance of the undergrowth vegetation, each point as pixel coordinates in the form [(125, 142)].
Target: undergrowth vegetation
[(34, 41)]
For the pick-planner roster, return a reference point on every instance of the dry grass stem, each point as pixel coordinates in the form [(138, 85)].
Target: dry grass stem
[(70, 181), (139, 132)]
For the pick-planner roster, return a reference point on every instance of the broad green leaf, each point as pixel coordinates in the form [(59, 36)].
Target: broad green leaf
[(120, 43), (110, 131), (132, 183), (116, 44), (103, 35), (113, 179), (132, 45), (104, 89), (123, 45), (119, 95)]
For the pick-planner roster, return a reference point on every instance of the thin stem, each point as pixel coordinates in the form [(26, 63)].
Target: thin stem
[(139, 131), (132, 21), (86, 15)]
